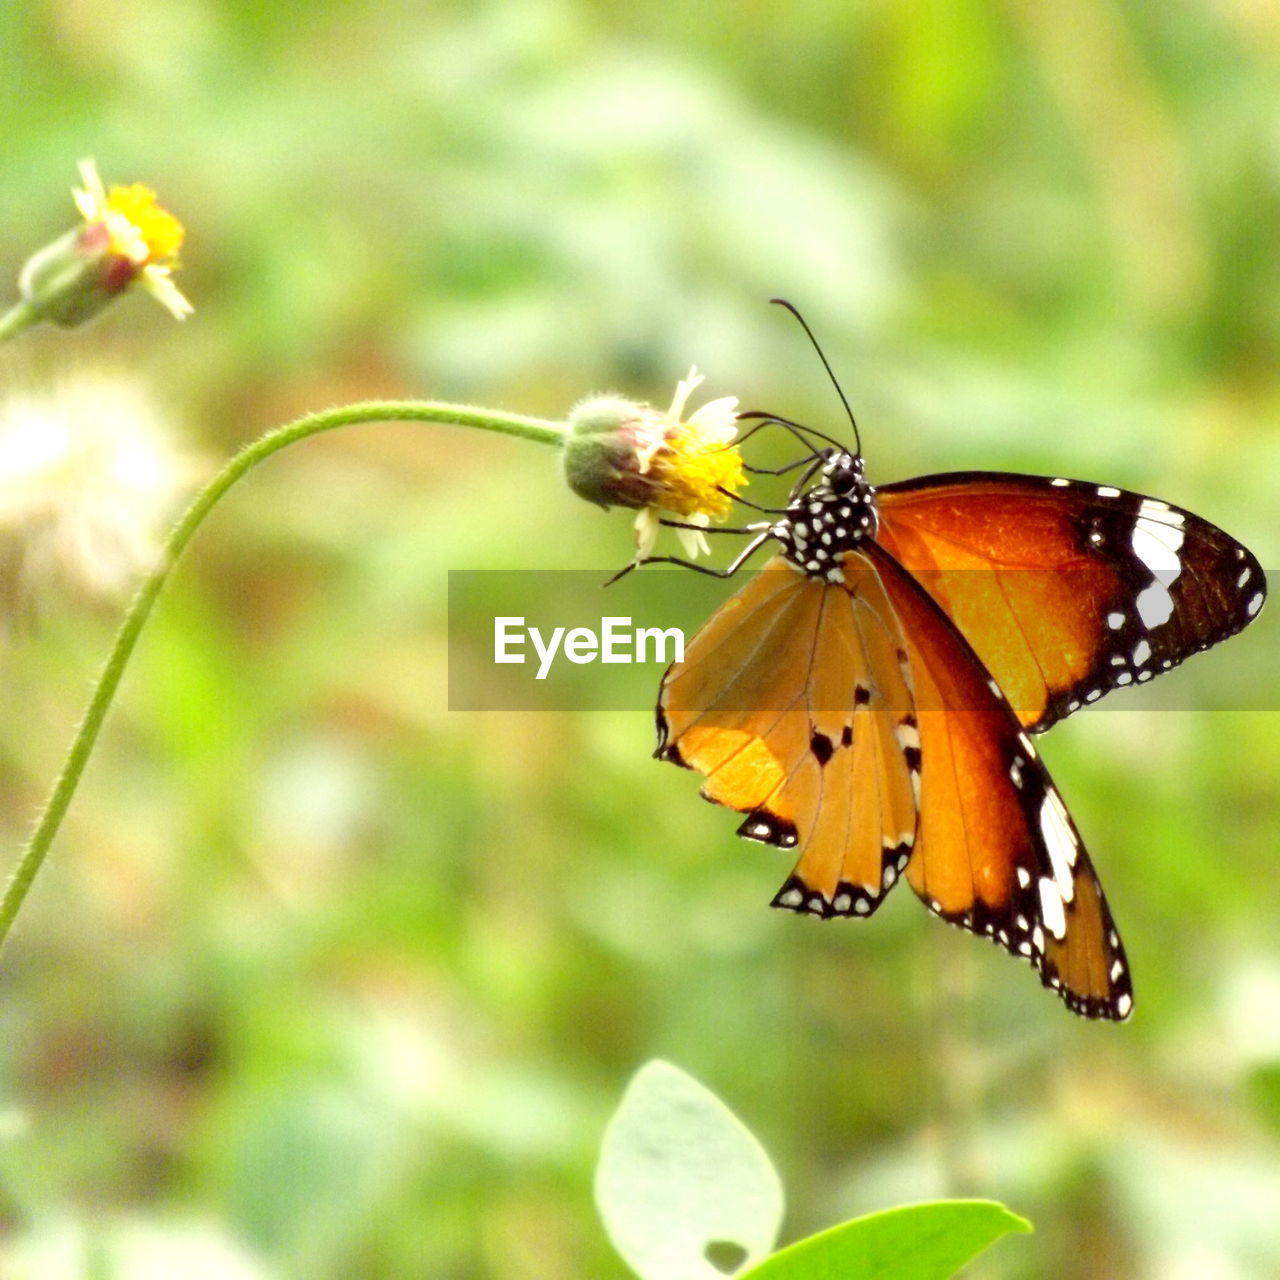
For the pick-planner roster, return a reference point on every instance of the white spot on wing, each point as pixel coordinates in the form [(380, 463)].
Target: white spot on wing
[(1154, 509), (1157, 538), (1155, 605), (1055, 919), (1141, 652), (1060, 842), (1115, 621), (1156, 544), (1106, 491)]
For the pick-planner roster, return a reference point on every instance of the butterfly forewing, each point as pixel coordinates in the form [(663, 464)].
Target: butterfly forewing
[(794, 701), (1067, 590), (997, 852)]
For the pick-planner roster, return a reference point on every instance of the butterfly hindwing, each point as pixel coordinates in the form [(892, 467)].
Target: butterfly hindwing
[(1067, 590), (795, 703), (997, 851)]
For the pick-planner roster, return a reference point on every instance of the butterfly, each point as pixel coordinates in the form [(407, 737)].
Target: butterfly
[(867, 700)]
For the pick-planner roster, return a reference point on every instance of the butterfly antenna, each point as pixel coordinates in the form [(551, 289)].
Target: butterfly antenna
[(766, 419), (826, 364)]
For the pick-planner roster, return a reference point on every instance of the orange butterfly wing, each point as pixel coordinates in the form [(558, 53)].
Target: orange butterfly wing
[(1066, 589), (997, 852), (795, 703)]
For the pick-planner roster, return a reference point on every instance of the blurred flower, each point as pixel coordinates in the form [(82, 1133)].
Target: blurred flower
[(126, 237), (622, 454), (89, 474)]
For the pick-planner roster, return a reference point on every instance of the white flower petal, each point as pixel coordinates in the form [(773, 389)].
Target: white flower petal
[(717, 420), (646, 532), (695, 543), (684, 389), (91, 201), (159, 284), (647, 449)]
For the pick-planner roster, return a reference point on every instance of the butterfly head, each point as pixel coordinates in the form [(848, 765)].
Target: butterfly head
[(835, 513), (843, 473)]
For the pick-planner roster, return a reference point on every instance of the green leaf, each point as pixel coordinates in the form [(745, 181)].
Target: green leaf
[(914, 1242), (685, 1190)]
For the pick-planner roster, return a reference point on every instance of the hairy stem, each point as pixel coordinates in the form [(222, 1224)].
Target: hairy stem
[(33, 855)]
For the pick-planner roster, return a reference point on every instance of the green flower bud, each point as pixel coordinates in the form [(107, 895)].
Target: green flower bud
[(125, 237), (620, 454), (607, 451)]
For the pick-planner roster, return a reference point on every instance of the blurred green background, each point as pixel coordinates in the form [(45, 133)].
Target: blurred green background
[(322, 980)]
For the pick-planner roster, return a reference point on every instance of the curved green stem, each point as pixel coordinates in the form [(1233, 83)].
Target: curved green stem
[(20, 316), (37, 847)]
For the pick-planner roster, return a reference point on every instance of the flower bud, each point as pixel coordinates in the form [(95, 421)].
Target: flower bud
[(607, 452), (622, 454), (70, 281), (125, 237)]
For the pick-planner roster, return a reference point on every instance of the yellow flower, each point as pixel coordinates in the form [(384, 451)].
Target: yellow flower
[(125, 237), (694, 467), (623, 454), (142, 238)]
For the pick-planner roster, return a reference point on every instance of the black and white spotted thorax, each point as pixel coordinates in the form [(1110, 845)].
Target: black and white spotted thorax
[(832, 516)]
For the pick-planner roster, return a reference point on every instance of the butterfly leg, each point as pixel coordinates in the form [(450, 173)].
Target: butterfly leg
[(747, 552), (721, 528), (755, 506)]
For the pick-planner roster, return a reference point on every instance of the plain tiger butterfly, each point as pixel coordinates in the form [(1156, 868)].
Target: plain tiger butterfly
[(866, 700)]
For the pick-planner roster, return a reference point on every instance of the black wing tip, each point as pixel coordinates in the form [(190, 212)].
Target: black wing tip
[(797, 896), (666, 749), (852, 901), (1001, 928)]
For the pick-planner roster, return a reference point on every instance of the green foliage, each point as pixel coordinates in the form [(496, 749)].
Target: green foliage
[(680, 1178), (686, 1193), (308, 932), (914, 1242)]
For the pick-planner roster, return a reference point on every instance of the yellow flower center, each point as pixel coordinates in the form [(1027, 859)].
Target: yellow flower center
[(140, 229), (692, 471)]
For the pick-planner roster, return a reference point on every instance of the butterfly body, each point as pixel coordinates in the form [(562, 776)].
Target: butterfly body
[(836, 515), (867, 699)]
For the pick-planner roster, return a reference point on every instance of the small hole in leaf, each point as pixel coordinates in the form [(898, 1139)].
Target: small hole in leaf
[(725, 1255)]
